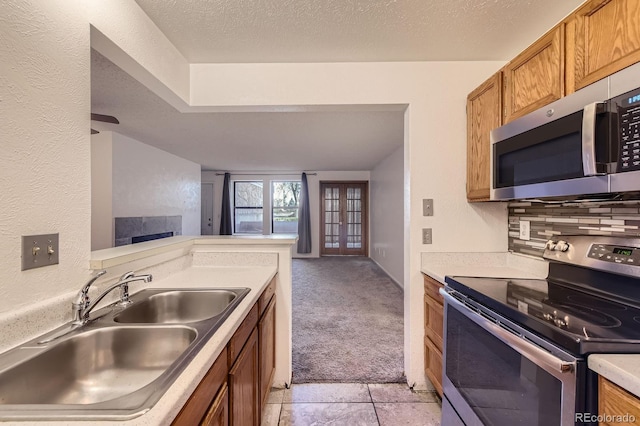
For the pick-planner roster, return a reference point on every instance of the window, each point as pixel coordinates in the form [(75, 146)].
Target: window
[(247, 201), (285, 200)]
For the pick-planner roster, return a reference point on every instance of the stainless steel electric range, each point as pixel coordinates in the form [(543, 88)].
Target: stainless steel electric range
[(515, 350)]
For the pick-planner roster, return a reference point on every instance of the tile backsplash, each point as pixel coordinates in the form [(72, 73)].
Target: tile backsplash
[(589, 218)]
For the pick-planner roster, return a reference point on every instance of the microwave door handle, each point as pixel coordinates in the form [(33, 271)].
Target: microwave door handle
[(589, 138)]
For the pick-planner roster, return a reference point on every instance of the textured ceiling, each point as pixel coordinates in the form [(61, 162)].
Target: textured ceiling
[(232, 31), (254, 31), (256, 141)]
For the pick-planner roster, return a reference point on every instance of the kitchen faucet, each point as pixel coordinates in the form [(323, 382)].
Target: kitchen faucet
[(82, 306)]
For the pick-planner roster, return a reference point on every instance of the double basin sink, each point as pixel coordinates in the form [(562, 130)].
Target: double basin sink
[(119, 364)]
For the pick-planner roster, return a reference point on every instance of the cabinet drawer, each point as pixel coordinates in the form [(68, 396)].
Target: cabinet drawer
[(266, 296), (434, 321), (433, 364), (242, 334), (431, 288)]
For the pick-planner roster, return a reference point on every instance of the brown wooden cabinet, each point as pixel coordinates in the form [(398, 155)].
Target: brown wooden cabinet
[(235, 388), (536, 76), (603, 37), (433, 332), (600, 38), (484, 113), (614, 401), (244, 393)]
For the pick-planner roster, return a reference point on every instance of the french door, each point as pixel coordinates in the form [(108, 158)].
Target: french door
[(343, 224)]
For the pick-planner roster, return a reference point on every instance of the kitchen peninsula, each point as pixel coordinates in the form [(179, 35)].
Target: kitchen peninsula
[(182, 262)]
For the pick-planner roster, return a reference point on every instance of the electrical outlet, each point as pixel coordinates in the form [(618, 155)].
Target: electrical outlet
[(427, 207), (39, 250), (525, 230), (426, 235)]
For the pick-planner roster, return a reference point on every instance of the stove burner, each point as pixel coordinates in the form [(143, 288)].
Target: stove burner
[(636, 319), (585, 314), (593, 301)]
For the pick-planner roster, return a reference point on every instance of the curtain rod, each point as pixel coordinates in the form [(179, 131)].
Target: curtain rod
[(267, 174)]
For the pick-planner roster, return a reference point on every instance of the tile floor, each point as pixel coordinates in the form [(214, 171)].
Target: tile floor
[(351, 404)]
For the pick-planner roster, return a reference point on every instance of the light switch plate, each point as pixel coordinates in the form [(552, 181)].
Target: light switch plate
[(426, 236), (427, 207), (39, 251)]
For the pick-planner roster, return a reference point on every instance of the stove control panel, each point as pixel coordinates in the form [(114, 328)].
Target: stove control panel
[(614, 253), (617, 255)]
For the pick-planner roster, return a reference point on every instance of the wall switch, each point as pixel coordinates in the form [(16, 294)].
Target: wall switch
[(525, 230), (426, 236), (427, 207), (39, 250)]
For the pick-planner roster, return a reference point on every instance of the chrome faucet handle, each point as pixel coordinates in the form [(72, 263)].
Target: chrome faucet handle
[(124, 281), (82, 301)]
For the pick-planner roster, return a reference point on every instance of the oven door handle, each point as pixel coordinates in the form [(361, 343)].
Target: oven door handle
[(527, 349)]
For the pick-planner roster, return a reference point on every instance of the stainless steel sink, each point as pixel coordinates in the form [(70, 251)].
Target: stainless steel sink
[(107, 369), (95, 366), (178, 307)]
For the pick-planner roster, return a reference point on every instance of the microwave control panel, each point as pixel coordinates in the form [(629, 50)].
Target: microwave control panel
[(628, 106)]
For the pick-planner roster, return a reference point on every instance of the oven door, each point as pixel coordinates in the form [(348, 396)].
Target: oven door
[(496, 373)]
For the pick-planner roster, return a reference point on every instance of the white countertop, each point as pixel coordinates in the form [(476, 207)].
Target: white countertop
[(621, 369), (169, 405), (491, 265)]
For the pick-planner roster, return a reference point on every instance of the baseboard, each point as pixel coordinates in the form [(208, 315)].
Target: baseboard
[(388, 274)]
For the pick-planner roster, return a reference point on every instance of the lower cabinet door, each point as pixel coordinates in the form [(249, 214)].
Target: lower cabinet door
[(267, 340), (244, 400), (433, 364), (218, 413)]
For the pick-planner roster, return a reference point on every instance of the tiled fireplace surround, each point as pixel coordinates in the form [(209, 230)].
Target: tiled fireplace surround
[(126, 228), (588, 218)]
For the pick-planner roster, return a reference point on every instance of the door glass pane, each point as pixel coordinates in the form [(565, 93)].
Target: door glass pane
[(500, 385)]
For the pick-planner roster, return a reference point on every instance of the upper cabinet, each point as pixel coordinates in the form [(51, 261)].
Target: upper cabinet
[(536, 76), (603, 37), (598, 39), (484, 112)]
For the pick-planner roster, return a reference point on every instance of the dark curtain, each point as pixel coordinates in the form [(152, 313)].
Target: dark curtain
[(226, 228), (304, 219)]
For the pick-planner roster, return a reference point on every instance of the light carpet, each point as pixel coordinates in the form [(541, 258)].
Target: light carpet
[(347, 322)]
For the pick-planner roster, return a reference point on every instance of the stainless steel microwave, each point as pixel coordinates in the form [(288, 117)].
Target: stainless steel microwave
[(586, 144)]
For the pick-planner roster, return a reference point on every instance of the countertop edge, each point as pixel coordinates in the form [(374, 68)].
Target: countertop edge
[(621, 369), (107, 258)]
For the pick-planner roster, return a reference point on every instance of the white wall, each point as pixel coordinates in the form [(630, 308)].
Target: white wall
[(144, 181), (387, 215), (313, 182), (44, 162), (150, 182)]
